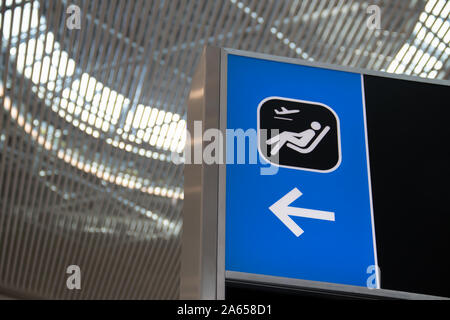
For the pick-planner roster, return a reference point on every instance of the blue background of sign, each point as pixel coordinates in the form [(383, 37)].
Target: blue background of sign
[(256, 240)]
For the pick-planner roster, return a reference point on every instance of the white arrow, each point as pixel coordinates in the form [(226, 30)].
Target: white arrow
[(282, 210)]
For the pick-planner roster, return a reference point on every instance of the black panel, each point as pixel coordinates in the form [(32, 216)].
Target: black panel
[(409, 139)]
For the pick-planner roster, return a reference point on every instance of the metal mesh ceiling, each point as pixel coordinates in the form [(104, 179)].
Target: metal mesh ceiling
[(89, 118)]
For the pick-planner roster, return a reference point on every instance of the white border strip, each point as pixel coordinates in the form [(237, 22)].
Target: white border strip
[(377, 269)]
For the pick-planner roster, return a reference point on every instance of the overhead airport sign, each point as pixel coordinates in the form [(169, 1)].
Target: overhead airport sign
[(293, 199), (312, 218)]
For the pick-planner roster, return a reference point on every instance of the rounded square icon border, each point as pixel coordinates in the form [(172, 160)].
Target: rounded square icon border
[(301, 101)]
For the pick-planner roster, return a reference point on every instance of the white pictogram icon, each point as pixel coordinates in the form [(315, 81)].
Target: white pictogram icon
[(285, 112), (283, 211), (302, 142)]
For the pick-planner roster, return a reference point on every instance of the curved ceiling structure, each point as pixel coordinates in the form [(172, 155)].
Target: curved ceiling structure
[(90, 116)]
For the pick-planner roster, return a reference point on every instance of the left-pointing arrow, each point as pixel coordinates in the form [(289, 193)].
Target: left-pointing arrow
[(283, 211)]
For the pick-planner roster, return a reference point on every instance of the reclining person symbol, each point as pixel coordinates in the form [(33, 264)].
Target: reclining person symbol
[(299, 134), (299, 141)]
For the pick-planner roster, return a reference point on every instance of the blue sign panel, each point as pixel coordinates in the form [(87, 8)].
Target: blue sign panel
[(312, 218)]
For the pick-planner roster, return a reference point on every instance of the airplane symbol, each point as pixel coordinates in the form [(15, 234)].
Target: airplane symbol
[(285, 111)]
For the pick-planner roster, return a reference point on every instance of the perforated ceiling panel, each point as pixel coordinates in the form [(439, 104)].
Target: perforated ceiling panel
[(90, 113)]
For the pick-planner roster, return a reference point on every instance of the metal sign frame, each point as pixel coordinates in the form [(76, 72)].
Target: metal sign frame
[(203, 271)]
